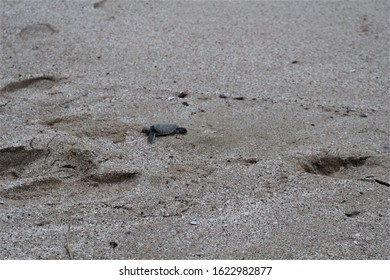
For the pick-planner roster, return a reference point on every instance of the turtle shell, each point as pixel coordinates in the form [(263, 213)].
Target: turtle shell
[(164, 128)]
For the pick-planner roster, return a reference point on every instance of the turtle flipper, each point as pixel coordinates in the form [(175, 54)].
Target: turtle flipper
[(151, 136)]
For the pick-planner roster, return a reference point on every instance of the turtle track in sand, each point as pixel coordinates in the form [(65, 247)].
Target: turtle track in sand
[(82, 126)]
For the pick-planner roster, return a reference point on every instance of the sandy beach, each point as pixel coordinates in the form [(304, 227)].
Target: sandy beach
[(286, 104)]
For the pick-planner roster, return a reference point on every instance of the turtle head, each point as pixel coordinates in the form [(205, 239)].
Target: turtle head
[(146, 129), (181, 130)]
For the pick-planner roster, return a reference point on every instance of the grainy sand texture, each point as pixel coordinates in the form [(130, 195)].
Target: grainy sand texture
[(286, 106)]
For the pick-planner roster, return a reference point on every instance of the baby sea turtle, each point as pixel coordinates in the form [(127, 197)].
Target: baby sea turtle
[(162, 129)]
